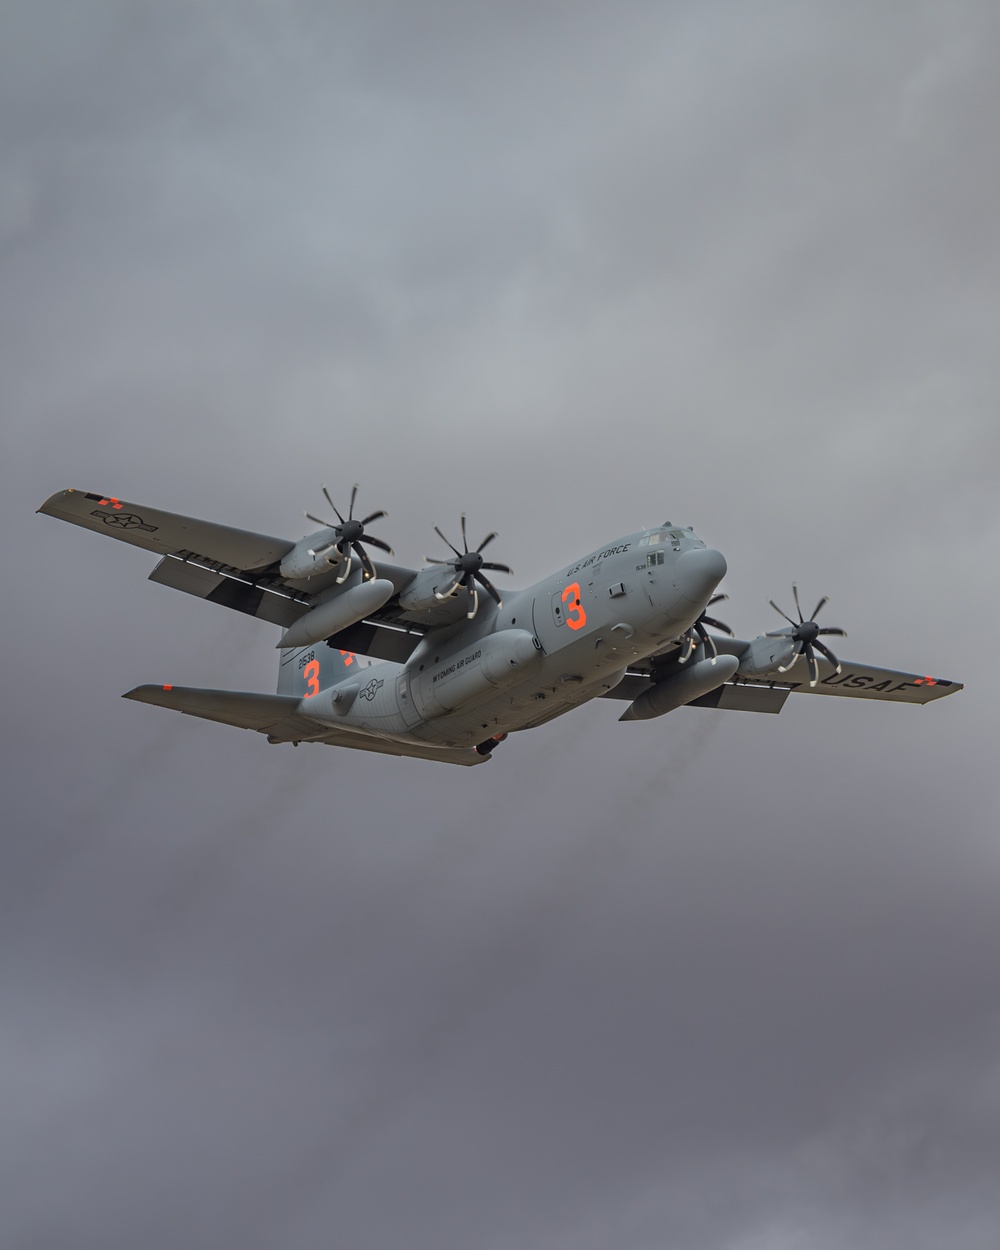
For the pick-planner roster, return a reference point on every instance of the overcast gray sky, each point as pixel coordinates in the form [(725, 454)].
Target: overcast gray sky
[(714, 981)]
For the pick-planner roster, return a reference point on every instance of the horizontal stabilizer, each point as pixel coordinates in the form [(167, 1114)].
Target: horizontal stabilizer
[(265, 713), (277, 716)]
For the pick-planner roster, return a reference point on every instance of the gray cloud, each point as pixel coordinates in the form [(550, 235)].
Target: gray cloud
[(712, 981)]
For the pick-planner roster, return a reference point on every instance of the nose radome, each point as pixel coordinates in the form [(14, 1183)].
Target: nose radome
[(698, 572)]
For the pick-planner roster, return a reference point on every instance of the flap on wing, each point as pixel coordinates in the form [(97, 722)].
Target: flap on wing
[(232, 592), (166, 533), (730, 697), (736, 698), (278, 717), (372, 637)]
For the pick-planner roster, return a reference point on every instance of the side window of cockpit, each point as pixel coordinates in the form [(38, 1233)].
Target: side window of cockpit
[(654, 558)]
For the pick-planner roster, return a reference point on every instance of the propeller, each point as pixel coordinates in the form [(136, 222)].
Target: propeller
[(805, 635), (698, 632), (468, 569), (349, 535)]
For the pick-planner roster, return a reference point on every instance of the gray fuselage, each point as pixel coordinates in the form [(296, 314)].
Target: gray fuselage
[(547, 649)]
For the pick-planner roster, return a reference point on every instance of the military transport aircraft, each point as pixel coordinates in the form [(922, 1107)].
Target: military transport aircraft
[(434, 663)]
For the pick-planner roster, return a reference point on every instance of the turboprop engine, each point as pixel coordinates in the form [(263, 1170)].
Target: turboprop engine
[(312, 556), (766, 653), (494, 663), (681, 687), (331, 547)]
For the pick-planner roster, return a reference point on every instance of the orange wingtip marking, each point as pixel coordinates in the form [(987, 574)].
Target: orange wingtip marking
[(168, 687)]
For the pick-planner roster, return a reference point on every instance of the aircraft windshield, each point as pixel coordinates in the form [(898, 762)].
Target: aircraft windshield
[(674, 536)]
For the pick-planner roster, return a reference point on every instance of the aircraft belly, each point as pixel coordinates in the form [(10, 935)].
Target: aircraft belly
[(532, 703)]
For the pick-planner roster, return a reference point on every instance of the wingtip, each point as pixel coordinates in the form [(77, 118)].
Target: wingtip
[(140, 694), (53, 499)]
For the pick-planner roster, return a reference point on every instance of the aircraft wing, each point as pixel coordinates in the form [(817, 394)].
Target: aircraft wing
[(236, 568), (857, 681), (166, 533), (278, 717), (767, 692)]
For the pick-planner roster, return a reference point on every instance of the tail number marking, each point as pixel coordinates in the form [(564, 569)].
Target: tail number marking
[(311, 675)]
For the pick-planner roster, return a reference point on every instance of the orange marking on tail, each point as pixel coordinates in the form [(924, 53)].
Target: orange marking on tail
[(311, 675)]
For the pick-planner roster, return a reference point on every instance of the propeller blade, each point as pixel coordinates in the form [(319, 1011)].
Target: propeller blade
[(375, 516), (780, 613), (717, 599), (366, 563), (487, 540), (823, 650), (787, 668), (490, 588), (377, 542), (447, 543), (709, 620), (832, 629), (498, 568), (432, 560), (318, 551), (707, 640), (813, 665), (465, 541), (795, 596), (332, 505), (325, 524), (471, 598), (347, 568), (354, 495), (819, 607), (439, 594), (688, 644)]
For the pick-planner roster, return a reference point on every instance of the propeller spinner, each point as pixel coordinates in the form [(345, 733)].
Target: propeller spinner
[(349, 534), (805, 635), (467, 567)]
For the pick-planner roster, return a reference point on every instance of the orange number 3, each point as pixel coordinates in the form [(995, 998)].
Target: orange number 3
[(311, 674), (576, 618)]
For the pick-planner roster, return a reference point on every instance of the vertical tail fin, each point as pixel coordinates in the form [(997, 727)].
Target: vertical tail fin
[(306, 671)]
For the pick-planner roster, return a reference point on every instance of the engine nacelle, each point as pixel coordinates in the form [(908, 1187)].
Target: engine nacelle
[(494, 663), (765, 655), (687, 683), (301, 560), (419, 593)]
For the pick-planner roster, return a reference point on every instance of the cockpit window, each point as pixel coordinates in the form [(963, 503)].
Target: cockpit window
[(672, 534), (655, 537)]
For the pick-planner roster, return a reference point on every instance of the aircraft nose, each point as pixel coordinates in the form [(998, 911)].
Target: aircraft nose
[(698, 572)]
